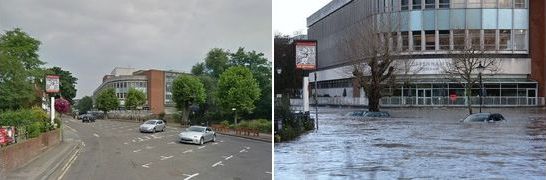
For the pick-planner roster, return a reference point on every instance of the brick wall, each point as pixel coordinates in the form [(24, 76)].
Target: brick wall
[(537, 37), (17, 155)]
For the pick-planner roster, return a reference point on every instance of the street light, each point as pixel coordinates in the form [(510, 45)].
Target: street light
[(480, 71), (235, 112), (279, 70)]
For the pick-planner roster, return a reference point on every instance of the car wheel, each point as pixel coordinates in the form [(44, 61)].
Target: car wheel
[(201, 141), (163, 130), (153, 131), (213, 138)]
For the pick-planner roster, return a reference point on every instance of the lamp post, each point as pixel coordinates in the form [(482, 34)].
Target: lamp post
[(480, 71), (235, 112)]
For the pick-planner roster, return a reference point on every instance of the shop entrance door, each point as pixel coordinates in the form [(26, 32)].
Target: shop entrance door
[(424, 96), (531, 97)]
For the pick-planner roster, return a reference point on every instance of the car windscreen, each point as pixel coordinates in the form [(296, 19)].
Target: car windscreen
[(477, 117), (195, 129), (149, 122)]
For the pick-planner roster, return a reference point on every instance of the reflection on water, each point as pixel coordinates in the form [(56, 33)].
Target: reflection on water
[(417, 144)]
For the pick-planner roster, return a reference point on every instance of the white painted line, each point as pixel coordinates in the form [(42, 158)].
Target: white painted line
[(171, 143), (217, 163), (147, 137), (229, 157), (241, 151), (96, 135), (190, 176), (214, 143), (147, 165), (134, 140), (138, 150), (149, 147), (188, 151), (221, 141), (69, 164), (125, 143), (71, 128), (201, 147), (165, 157), (83, 144), (246, 147), (267, 172)]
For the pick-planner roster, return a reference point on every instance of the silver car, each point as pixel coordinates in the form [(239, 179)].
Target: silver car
[(153, 126), (197, 135)]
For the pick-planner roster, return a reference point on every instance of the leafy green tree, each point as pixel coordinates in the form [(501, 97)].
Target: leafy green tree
[(216, 62), (85, 104), (107, 101), (20, 71), (238, 89), (187, 90), (135, 98), (211, 85), (68, 83), (198, 69)]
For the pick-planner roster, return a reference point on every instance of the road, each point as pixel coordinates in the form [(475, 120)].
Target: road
[(418, 143), (117, 150)]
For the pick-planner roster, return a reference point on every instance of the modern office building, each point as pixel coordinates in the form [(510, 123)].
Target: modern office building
[(156, 84), (431, 32)]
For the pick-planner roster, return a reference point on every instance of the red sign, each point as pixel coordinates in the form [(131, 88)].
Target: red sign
[(306, 54), (52, 84), (453, 97)]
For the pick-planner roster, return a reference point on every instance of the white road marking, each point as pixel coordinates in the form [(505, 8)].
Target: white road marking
[(134, 140), (125, 143), (138, 150), (267, 172), (147, 137), (83, 144), (217, 163), (221, 141), (229, 157), (69, 164), (147, 165), (246, 147), (140, 139), (241, 151), (171, 143), (188, 151), (96, 135), (149, 147), (214, 143), (201, 147), (165, 157), (71, 128), (190, 176)]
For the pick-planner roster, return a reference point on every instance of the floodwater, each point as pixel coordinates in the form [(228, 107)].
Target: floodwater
[(418, 144)]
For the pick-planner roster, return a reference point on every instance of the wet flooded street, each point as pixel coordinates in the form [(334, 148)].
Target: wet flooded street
[(417, 144)]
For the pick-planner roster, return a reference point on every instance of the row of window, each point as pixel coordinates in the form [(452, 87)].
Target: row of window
[(489, 40), (129, 84), (404, 5)]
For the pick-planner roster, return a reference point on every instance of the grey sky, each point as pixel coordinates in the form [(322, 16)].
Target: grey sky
[(290, 16), (91, 37)]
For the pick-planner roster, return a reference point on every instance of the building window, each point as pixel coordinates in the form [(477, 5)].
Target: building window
[(443, 4), (405, 41), (505, 3), (474, 36), (416, 40), (505, 42), (519, 39), (458, 39), (430, 4), (519, 4), (404, 5), (430, 40), (444, 39), (416, 4), (394, 40), (457, 4), (489, 3), (489, 40), (473, 4)]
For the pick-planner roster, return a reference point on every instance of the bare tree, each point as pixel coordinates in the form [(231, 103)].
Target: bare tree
[(371, 48), (462, 68)]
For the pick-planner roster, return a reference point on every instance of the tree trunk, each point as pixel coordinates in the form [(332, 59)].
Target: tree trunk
[(105, 114), (374, 97), (185, 115)]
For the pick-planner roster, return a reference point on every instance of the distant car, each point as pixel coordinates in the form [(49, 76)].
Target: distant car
[(152, 126), (484, 117), (87, 118), (368, 114), (197, 135)]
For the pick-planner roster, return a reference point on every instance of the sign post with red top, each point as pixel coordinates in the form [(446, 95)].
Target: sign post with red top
[(52, 83)]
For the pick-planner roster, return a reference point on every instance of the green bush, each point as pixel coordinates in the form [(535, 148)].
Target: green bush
[(34, 129), (225, 123)]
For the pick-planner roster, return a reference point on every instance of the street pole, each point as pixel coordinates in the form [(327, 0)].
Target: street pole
[(52, 109), (316, 101), (481, 92)]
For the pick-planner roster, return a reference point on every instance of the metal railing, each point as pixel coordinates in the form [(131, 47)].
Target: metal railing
[(397, 101)]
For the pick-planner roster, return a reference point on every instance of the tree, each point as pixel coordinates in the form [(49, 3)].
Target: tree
[(198, 69), (85, 104), (238, 89), (216, 62), (373, 56), (62, 106), (20, 70), (107, 101), (463, 68), (135, 98), (187, 90), (68, 83)]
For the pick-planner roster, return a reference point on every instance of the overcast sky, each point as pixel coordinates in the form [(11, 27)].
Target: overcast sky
[(290, 16), (91, 37)]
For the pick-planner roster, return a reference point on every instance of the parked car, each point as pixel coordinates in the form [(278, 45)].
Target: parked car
[(87, 118), (152, 126), (484, 117), (197, 135), (368, 114)]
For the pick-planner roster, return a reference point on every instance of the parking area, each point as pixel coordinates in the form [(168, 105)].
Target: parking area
[(115, 149)]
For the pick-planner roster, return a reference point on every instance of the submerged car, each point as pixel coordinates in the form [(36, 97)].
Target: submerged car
[(152, 126), (368, 114), (197, 135), (484, 117)]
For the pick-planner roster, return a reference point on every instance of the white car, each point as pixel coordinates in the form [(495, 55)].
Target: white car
[(197, 135), (152, 126)]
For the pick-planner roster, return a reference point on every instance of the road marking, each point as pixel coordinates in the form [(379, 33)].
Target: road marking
[(165, 157), (149, 147), (229, 157), (69, 164), (147, 137), (187, 151), (241, 151), (147, 165), (96, 135), (125, 143), (138, 150), (71, 128), (83, 144), (190, 176), (214, 143), (201, 147), (171, 143), (134, 140), (267, 172), (246, 147), (217, 163), (140, 139), (221, 141)]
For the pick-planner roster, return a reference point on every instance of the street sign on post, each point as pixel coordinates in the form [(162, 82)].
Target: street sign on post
[(306, 54), (52, 84)]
